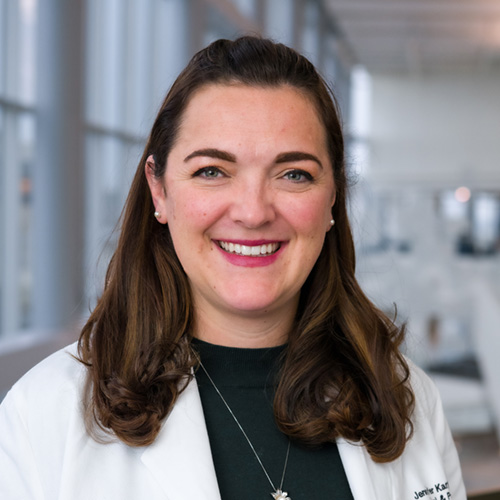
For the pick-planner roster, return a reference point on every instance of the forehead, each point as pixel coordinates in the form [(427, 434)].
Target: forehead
[(219, 93), (252, 111)]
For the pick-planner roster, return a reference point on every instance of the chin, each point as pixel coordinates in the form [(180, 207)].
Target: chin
[(255, 303), (251, 306)]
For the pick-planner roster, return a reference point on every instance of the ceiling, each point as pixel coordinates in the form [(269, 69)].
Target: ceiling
[(420, 36)]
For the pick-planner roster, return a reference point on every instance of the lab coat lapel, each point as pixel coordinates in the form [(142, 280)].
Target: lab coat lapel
[(367, 479), (180, 458)]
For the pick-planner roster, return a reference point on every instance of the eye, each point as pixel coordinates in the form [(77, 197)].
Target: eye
[(298, 176), (209, 173)]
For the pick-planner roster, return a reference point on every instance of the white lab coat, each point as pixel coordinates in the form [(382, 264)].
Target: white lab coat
[(46, 454)]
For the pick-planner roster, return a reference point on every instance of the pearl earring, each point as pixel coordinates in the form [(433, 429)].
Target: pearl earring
[(157, 214), (332, 222)]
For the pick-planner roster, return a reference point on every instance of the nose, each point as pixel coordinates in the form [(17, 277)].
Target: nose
[(253, 205)]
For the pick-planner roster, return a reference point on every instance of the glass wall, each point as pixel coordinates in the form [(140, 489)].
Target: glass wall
[(17, 154)]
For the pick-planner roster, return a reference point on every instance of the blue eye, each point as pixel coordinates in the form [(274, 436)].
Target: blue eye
[(298, 176), (208, 173)]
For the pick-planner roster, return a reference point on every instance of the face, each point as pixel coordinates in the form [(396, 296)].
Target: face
[(247, 194)]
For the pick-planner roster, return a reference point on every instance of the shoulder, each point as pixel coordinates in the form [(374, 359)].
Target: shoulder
[(40, 417), (61, 368), (53, 387), (428, 412), (428, 404), (424, 389)]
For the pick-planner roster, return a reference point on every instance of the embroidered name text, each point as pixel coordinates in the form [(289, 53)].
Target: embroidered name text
[(438, 490)]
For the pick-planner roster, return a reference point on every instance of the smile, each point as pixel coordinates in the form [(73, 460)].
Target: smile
[(250, 251)]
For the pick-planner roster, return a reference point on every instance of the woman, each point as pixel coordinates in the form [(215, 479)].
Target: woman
[(232, 353)]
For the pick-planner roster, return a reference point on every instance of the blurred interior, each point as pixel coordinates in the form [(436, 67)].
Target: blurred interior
[(419, 87)]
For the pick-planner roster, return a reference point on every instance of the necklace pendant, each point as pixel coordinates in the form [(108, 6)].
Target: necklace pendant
[(280, 495)]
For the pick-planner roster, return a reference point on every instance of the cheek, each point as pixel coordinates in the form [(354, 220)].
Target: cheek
[(188, 207), (310, 218), (191, 215)]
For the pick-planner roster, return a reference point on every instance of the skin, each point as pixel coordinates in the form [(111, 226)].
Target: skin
[(249, 167)]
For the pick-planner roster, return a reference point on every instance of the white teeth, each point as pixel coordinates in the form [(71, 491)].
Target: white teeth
[(254, 251)]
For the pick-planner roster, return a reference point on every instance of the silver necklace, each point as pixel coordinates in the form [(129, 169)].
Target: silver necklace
[(278, 493)]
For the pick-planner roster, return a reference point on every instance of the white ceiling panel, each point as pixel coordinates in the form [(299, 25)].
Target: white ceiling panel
[(425, 36)]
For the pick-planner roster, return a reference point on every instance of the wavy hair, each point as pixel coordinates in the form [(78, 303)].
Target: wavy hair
[(343, 374)]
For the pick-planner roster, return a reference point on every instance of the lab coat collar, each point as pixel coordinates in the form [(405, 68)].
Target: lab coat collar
[(367, 479), (180, 458)]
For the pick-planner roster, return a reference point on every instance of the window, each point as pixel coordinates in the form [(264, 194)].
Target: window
[(17, 149)]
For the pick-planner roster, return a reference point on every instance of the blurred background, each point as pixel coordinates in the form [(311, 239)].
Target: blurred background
[(418, 82)]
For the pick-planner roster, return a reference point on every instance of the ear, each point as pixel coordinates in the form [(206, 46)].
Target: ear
[(330, 225), (157, 188)]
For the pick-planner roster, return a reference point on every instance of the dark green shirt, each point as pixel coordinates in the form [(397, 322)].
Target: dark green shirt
[(245, 378)]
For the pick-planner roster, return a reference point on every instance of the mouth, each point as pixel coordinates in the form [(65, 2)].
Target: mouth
[(250, 250)]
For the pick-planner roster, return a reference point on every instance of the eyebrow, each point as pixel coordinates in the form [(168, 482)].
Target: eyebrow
[(288, 157), (212, 153), (293, 156)]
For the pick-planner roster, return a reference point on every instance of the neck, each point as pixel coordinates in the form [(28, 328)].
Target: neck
[(251, 330)]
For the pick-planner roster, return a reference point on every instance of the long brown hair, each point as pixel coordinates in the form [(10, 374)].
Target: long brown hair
[(342, 375)]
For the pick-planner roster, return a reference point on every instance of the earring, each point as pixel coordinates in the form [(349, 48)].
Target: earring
[(157, 214), (332, 222)]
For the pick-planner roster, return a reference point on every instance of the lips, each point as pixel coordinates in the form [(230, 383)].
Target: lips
[(262, 250)]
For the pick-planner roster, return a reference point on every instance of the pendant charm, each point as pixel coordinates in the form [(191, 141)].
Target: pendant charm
[(280, 495)]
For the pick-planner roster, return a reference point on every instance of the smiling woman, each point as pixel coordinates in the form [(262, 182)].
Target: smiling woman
[(232, 353)]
